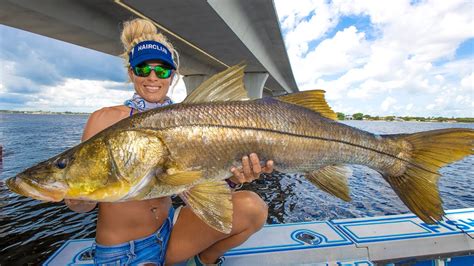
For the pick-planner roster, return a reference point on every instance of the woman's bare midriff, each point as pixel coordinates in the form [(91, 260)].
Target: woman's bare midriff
[(121, 222)]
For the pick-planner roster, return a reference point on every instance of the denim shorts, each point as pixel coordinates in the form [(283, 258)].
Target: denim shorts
[(147, 250)]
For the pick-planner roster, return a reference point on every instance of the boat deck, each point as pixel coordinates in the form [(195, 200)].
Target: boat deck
[(361, 241)]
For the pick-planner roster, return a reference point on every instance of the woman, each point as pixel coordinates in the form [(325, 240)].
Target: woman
[(151, 231)]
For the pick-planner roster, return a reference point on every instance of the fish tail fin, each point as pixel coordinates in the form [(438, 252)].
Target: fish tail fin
[(430, 150)]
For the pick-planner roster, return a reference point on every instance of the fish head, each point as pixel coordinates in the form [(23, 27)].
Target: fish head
[(44, 181), (71, 174), (110, 167)]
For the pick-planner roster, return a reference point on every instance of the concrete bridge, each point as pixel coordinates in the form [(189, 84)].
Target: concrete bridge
[(209, 35)]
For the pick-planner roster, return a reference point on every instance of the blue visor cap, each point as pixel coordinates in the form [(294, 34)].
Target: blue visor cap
[(150, 50)]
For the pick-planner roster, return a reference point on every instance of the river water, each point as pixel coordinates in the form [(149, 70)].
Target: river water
[(30, 231)]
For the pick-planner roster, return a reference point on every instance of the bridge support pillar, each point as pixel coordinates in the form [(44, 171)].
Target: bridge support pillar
[(254, 83)]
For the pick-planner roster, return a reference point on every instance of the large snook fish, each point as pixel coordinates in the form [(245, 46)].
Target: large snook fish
[(188, 149)]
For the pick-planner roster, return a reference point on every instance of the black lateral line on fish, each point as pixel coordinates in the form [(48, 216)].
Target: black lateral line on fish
[(294, 135)]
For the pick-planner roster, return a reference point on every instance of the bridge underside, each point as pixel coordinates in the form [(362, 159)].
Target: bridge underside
[(209, 35)]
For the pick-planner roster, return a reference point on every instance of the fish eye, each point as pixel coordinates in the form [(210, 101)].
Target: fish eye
[(61, 163)]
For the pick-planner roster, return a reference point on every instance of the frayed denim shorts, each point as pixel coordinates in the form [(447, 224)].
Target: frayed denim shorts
[(150, 250)]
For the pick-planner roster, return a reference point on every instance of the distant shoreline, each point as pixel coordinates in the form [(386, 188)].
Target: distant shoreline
[(380, 119), (42, 112), (410, 121)]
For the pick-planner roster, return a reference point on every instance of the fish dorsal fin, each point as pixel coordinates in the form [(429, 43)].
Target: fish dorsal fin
[(227, 85), (211, 201), (333, 180), (313, 100)]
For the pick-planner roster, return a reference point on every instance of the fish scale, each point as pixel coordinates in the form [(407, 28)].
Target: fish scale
[(281, 130)]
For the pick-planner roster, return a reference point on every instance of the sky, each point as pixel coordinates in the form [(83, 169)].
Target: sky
[(403, 58)]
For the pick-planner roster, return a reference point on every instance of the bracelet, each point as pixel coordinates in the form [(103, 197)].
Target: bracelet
[(233, 185)]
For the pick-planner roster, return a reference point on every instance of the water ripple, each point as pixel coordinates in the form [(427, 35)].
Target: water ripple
[(31, 230)]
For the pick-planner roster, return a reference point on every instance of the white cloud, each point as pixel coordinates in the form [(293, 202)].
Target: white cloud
[(372, 88), (178, 93), (411, 56), (291, 13), (388, 103), (468, 82), (88, 95), (332, 56), (78, 95), (70, 94), (403, 62), (312, 29)]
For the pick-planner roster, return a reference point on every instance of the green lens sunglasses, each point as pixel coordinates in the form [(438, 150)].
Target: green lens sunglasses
[(161, 72)]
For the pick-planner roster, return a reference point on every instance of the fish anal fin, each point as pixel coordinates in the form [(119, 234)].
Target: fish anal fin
[(313, 100), (211, 201), (333, 180), (227, 85)]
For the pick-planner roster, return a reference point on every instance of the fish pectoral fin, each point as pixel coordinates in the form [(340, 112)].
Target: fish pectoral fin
[(211, 201), (227, 85), (333, 180), (313, 100), (179, 178)]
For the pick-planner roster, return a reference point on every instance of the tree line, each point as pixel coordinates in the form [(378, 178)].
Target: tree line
[(361, 116)]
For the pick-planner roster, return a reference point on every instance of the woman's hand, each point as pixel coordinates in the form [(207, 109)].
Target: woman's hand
[(251, 169), (80, 206)]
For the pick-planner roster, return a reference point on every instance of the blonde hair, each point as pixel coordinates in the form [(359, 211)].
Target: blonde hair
[(139, 30)]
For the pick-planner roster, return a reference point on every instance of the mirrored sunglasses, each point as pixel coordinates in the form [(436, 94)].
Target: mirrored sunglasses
[(144, 70)]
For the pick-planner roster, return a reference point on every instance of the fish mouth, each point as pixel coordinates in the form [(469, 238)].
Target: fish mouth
[(27, 188)]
